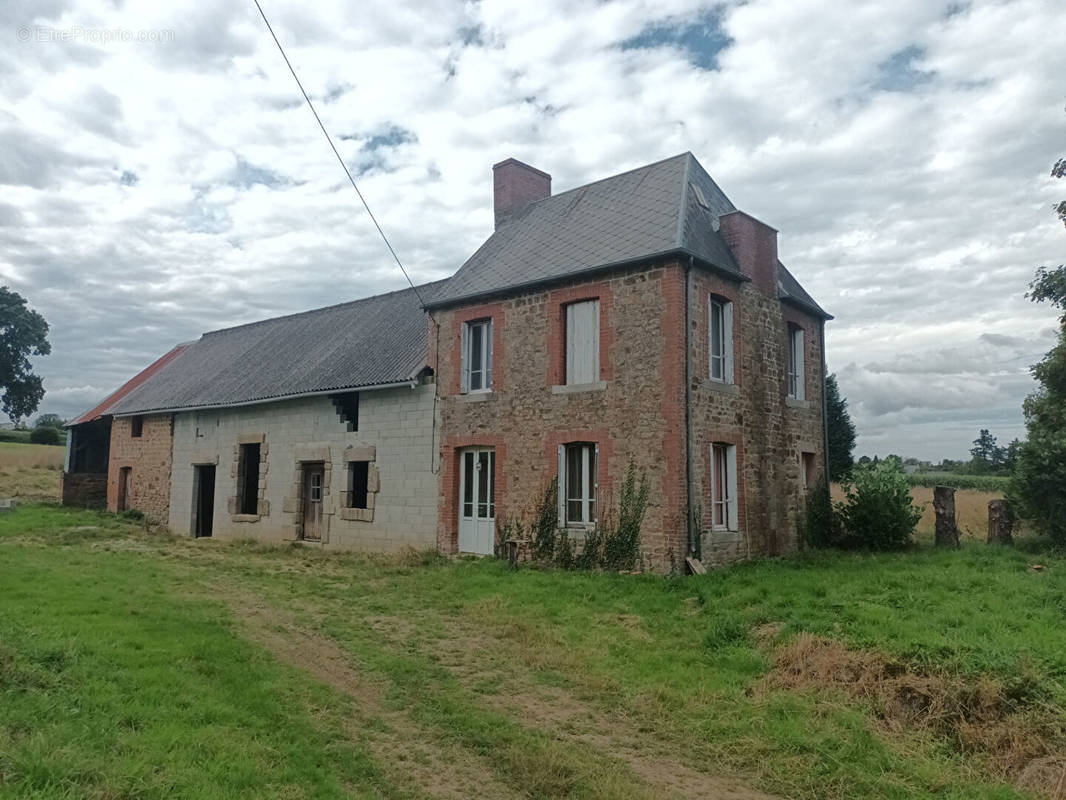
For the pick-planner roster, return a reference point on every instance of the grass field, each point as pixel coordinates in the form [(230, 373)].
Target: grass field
[(141, 665), (30, 471)]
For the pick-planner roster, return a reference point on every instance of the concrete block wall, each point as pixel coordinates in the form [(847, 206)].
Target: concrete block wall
[(395, 425)]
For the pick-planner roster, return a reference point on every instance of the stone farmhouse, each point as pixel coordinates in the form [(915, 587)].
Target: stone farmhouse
[(638, 319)]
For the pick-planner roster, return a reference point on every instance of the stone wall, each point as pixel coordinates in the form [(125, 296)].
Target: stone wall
[(148, 457), (85, 489), (394, 433), (769, 431), (633, 413)]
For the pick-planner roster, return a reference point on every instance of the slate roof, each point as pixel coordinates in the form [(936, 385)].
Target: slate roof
[(669, 207), (789, 289), (369, 342), (649, 211)]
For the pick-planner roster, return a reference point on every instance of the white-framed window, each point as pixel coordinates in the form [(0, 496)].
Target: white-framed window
[(583, 342), (796, 378), (724, 487), (721, 339), (578, 483), (477, 356)]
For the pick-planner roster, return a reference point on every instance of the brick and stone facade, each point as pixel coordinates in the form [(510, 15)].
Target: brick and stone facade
[(632, 413), (394, 435), (147, 456), (637, 410)]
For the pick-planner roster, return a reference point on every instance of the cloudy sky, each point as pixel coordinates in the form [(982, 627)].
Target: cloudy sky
[(160, 176)]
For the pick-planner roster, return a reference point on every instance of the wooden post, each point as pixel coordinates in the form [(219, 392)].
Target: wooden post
[(1000, 522), (947, 532)]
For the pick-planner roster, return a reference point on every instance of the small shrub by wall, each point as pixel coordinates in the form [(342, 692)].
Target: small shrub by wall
[(614, 542), (877, 512)]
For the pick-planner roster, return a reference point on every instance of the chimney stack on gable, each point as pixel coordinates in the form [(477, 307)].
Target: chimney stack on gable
[(515, 185), (754, 246)]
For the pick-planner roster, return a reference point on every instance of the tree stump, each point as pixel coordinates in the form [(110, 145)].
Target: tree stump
[(947, 532), (1000, 522)]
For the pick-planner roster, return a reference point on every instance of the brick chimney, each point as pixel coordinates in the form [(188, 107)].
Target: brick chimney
[(514, 185), (754, 246)]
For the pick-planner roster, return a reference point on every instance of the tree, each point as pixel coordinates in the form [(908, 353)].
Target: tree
[(1010, 455), (987, 455), (23, 333), (841, 431), (49, 421), (1038, 485)]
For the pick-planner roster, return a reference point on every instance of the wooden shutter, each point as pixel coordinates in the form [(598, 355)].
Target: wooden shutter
[(800, 377), (562, 486), (727, 340), (731, 481), (488, 354), (464, 361), (583, 342)]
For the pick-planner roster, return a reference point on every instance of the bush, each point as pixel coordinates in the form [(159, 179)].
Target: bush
[(545, 526), (822, 527), (877, 512), (46, 436)]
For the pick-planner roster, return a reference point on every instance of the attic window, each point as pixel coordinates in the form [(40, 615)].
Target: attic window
[(701, 198), (136, 426)]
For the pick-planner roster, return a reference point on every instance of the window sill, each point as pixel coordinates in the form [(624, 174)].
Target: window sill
[(357, 514), (723, 533), (792, 402), (574, 388), (479, 396), (244, 517), (721, 387)]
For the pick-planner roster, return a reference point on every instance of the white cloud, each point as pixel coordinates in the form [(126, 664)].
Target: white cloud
[(153, 190)]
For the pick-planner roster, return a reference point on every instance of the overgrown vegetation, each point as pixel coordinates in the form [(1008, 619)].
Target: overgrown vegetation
[(613, 543), (877, 512), (821, 528)]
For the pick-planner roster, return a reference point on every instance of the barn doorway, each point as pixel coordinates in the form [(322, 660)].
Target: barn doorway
[(125, 488), (203, 500), (313, 486)]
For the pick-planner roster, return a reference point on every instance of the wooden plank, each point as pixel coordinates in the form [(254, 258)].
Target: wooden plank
[(696, 566)]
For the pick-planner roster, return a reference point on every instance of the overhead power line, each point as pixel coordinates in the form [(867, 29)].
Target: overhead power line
[(340, 160)]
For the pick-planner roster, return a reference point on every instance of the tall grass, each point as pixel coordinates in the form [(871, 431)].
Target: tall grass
[(14, 454)]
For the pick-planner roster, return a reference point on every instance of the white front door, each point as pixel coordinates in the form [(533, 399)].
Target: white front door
[(477, 501)]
